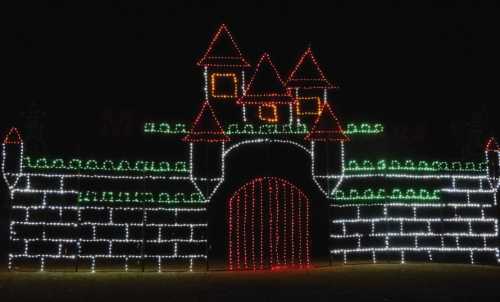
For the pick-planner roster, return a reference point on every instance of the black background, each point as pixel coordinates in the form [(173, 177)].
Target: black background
[(81, 78)]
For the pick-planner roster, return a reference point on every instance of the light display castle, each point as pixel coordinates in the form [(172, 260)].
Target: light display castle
[(69, 212)]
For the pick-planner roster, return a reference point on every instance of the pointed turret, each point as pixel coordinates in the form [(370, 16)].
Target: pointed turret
[(492, 156), (266, 95), (307, 74), (224, 75), (12, 156), (206, 128), (309, 86), (327, 145), (223, 51), (327, 127), (492, 145), (13, 137), (206, 143), (266, 85)]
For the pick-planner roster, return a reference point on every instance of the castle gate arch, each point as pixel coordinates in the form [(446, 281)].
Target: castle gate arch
[(268, 226)]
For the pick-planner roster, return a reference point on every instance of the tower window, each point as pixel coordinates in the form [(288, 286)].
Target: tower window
[(308, 105), (224, 85), (268, 113)]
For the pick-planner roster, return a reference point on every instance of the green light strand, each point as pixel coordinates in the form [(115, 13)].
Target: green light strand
[(364, 129), (165, 128), (393, 195), (139, 197), (266, 129), (107, 165), (414, 166)]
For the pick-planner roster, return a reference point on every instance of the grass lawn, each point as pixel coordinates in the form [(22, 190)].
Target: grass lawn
[(381, 282)]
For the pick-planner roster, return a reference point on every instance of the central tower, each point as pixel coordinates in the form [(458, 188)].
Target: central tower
[(224, 75)]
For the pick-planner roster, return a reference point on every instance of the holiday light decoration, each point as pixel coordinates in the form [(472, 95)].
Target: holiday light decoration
[(267, 129), (264, 129), (214, 84), (92, 214), (165, 128), (274, 209), (307, 74), (139, 197), (364, 128), (218, 55), (206, 127), (268, 113), (327, 127), (302, 101), (266, 90), (410, 165), (370, 195), (266, 86), (107, 165)]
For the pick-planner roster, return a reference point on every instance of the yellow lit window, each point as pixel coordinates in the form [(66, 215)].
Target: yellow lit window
[(268, 113), (224, 85), (308, 105)]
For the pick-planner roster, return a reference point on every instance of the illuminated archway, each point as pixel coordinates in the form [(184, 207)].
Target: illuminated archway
[(268, 226)]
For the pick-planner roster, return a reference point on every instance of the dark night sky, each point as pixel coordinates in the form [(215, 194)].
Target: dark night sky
[(428, 69)]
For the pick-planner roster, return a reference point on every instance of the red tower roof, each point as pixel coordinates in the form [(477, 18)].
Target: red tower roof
[(326, 127), (492, 145), (223, 51), (13, 137), (307, 74), (266, 85), (206, 128)]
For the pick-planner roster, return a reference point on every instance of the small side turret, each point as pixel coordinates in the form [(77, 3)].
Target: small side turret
[(492, 155), (327, 144), (206, 144), (12, 157)]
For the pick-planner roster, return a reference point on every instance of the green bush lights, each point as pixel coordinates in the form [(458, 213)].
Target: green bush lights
[(266, 129), (107, 165), (413, 166), (364, 129), (377, 195), (165, 128), (139, 197)]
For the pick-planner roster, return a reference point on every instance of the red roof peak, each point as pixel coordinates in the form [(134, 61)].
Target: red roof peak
[(327, 127), (492, 145), (223, 51), (13, 137), (266, 85), (206, 128), (307, 73)]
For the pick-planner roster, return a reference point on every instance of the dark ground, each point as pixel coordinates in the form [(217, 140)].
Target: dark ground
[(383, 282)]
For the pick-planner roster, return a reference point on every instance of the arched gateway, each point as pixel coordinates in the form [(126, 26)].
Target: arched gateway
[(268, 226)]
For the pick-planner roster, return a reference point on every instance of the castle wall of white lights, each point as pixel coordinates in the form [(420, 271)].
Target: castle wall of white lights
[(68, 213)]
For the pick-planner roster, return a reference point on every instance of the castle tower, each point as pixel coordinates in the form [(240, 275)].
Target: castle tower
[(492, 156), (12, 157), (266, 98), (327, 144), (224, 74), (309, 87), (206, 146)]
